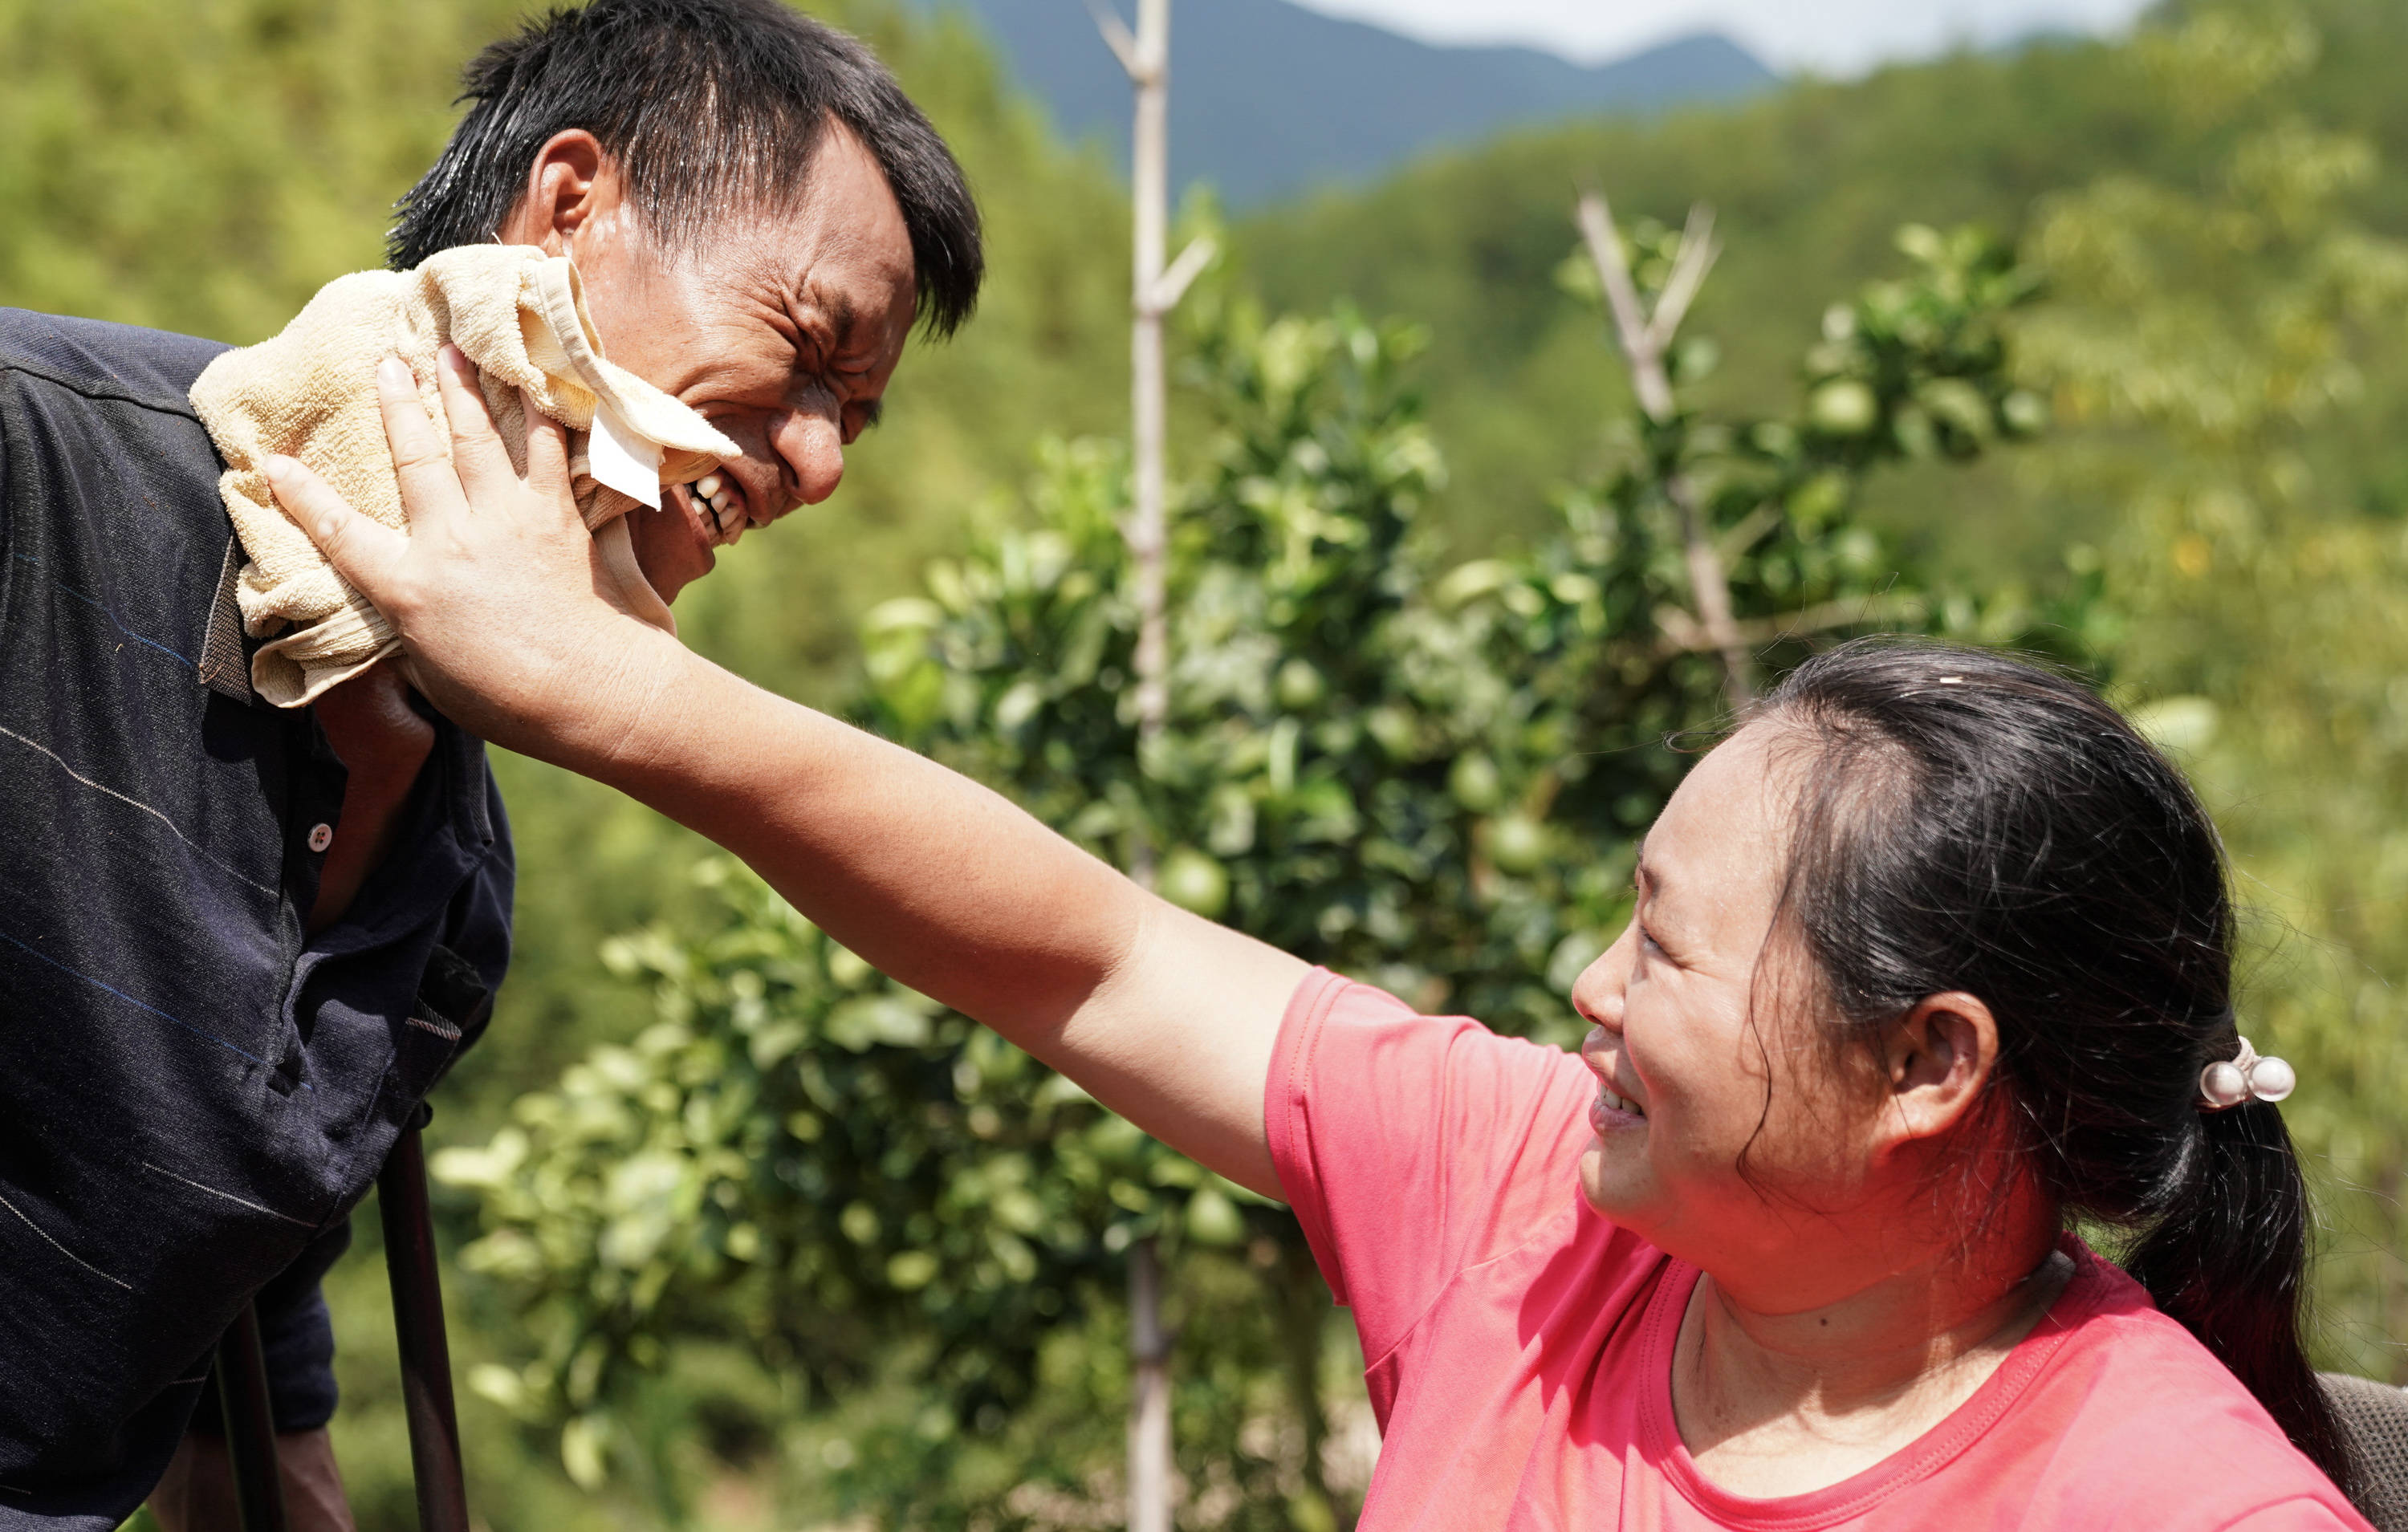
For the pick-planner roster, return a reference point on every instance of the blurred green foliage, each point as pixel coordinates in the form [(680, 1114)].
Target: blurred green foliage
[(2211, 332), (2217, 347)]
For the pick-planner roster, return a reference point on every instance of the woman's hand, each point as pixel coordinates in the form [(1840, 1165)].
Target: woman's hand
[(511, 624)]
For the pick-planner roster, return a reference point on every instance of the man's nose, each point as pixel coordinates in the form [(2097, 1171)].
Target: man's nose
[(811, 444)]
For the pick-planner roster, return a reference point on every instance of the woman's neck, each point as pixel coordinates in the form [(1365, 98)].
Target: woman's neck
[(1776, 1403)]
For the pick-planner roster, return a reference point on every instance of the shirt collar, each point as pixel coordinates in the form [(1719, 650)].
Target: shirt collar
[(225, 662), (224, 668)]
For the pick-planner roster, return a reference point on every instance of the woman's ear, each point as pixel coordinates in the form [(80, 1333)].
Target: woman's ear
[(1940, 1055)]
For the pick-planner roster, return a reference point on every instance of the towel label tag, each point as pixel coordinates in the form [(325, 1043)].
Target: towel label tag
[(619, 458)]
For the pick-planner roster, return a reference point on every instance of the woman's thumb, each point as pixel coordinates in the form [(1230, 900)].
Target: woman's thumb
[(365, 553)]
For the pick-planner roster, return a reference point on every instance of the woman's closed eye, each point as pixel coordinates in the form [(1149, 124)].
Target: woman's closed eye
[(1650, 947)]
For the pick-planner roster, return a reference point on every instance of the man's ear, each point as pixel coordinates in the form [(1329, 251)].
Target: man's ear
[(1940, 1055), (569, 183)]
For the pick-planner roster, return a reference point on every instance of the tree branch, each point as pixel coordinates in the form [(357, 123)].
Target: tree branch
[(1644, 341), (1118, 38), (1172, 284), (1639, 345), (1690, 264), (1683, 634), (1743, 534)]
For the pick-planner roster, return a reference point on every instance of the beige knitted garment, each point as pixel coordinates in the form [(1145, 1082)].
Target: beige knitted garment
[(311, 394)]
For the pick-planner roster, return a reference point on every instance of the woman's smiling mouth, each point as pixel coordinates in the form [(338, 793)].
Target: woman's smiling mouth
[(1611, 1111)]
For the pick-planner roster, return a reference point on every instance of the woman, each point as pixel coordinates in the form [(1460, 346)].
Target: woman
[(1929, 959)]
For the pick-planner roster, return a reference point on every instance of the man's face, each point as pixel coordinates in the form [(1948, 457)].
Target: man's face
[(782, 329)]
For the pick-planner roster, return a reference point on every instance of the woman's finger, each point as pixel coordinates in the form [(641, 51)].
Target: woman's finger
[(482, 462), (547, 449), (365, 553), (429, 488)]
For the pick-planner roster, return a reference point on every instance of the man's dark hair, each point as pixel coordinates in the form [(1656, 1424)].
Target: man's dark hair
[(703, 104)]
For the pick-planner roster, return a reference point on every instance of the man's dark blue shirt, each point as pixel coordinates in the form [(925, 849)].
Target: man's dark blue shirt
[(193, 1092)]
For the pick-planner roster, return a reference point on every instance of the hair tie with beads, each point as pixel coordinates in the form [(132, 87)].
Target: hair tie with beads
[(2246, 1077)]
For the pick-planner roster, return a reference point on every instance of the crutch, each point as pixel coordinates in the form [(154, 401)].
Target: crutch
[(250, 1426), (426, 1364)]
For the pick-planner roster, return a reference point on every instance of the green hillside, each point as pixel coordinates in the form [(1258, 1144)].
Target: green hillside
[(1272, 99), (1809, 185)]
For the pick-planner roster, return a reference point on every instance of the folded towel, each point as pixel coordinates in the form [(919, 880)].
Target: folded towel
[(311, 394)]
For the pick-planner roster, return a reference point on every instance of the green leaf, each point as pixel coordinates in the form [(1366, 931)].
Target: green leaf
[(1212, 1218), (869, 1021)]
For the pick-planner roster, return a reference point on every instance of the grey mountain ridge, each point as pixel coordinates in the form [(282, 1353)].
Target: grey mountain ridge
[(1268, 100)]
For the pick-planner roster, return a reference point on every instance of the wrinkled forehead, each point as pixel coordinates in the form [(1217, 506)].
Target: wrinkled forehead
[(845, 238)]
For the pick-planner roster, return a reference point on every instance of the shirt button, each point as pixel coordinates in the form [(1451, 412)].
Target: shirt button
[(320, 837)]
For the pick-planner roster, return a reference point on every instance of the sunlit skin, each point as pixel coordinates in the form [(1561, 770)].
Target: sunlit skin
[(783, 327), (1843, 1313), (783, 330)]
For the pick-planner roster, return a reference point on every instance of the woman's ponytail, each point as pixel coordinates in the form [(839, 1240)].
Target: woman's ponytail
[(1972, 822), (2229, 1259)]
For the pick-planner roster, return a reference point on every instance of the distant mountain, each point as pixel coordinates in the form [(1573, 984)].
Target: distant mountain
[(1269, 99)]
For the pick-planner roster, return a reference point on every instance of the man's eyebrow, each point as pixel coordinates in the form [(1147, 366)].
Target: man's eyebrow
[(841, 318)]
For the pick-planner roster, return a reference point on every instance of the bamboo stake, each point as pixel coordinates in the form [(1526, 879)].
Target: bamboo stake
[(1149, 1468), (1154, 290)]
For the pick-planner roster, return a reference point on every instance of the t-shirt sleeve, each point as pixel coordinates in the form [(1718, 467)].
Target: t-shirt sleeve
[(1413, 1147)]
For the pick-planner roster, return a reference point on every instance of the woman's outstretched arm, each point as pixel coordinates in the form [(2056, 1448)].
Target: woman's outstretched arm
[(512, 627)]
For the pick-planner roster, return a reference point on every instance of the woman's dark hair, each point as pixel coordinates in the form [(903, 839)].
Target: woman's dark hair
[(1967, 822), (706, 105)]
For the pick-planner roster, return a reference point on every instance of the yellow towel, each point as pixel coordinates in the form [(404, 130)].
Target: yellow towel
[(311, 394)]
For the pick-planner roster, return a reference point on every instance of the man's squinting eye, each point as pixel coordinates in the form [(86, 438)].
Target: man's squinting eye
[(858, 418)]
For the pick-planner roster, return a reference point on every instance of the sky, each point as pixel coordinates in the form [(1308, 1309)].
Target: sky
[(1840, 38)]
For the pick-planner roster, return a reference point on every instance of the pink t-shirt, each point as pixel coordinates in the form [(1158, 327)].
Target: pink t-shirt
[(1520, 1344)]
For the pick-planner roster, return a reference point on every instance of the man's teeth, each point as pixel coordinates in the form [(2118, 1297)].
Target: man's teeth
[(1619, 1104), (726, 509)]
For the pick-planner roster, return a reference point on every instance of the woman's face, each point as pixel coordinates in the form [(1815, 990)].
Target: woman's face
[(1687, 1037)]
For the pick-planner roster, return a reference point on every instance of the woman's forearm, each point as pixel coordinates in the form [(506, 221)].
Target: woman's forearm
[(943, 884), (515, 630), (932, 878)]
